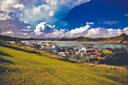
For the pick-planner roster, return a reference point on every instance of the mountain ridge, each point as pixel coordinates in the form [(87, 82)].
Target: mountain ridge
[(121, 38)]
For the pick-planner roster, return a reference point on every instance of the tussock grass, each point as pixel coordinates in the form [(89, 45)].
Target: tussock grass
[(31, 69)]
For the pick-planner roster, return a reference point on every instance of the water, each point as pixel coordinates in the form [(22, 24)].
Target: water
[(67, 44)]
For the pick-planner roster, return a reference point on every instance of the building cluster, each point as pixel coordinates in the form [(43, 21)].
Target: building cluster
[(83, 53)]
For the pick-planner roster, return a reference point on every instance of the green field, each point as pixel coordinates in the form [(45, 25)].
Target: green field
[(23, 68)]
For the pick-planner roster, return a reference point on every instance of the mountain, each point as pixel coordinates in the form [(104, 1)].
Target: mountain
[(7, 38), (122, 38)]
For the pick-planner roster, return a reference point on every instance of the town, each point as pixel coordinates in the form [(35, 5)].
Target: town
[(91, 52)]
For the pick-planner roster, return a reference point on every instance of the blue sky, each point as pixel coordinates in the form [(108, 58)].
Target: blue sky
[(104, 13), (67, 15)]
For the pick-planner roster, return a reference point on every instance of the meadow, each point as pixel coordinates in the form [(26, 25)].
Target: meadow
[(19, 67)]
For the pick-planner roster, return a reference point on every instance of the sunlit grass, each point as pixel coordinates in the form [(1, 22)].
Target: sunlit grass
[(31, 69)]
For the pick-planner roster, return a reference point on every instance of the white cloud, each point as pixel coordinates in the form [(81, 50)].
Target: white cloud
[(43, 12), (56, 34), (7, 6), (78, 32), (84, 31), (4, 16), (88, 31), (18, 6), (7, 33), (125, 30), (44, 28), (72, 3), (51, 13), (102, 32), (39, 28)]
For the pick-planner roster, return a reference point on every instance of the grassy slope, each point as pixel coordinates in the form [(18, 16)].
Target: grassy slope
[(22, 68)]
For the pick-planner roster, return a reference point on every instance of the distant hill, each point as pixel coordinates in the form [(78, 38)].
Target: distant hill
[(122, 38), (7, 38)]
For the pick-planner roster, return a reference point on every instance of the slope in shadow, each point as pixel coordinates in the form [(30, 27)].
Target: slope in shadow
[(120, 58), (4, 54), (5, 61), (20, 49)]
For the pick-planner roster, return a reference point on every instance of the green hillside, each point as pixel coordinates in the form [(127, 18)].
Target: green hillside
[(24, 68)]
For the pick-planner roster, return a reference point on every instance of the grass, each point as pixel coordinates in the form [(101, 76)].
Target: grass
[(24, 68)]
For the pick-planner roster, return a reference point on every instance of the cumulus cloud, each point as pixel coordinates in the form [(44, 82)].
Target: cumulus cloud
[(55, 34), (42, 12), (125, 30), (89, 31), (39, 28), (4, 16), (102, 32), (84, 31), (78, 32), (44, 30), (32, 11), (50, 31), (7, 6), (7, 33), (92, 32)]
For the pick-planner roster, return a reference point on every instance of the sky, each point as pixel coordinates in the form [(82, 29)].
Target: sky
[(104, 13), (63, 18)]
